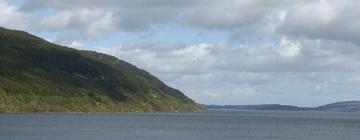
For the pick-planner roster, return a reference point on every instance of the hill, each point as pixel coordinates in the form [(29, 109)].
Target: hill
[(347, 106), (258, 107), (36, 75)]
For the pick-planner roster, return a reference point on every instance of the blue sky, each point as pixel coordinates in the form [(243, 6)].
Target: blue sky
[(217, 52)]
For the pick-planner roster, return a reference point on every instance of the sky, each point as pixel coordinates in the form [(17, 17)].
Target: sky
[(296, 52)]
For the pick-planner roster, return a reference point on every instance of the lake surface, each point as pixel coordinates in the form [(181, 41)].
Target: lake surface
[(209, 125)]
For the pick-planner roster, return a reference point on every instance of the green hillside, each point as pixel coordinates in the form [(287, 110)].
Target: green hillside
[(38, 76)]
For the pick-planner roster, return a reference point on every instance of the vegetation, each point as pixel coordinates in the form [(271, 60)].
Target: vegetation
[(36, 75)]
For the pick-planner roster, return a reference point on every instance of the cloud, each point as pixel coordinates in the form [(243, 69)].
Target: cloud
[(92, 23), (324, 19), (247, 15), (249, 74), (273, 51), (141, 16), (76, 44), (69, 4), (241, 19), (11, 17), (135, 15), (290, 49)]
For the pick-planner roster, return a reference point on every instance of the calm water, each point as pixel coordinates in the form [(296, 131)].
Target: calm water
[(210, 125)]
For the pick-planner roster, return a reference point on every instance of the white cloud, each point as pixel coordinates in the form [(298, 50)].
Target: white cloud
[(11, 17), (135, 15), (289, 49), (303, 49), (57, 21), (234, 14), (324, 19), (193, 52), (77, 45), (92, 23), (248, 74), (317, 19)]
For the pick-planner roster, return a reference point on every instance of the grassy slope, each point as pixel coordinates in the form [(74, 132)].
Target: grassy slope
[(36, 75)]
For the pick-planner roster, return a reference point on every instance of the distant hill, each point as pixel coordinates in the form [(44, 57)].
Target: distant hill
[(258, 107), (347, 106), (36, 75)]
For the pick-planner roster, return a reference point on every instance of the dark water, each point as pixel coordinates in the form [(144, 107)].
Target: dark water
[(211, 125)]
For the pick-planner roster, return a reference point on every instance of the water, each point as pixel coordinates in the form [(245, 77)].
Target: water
[(210, 125)]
